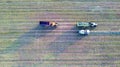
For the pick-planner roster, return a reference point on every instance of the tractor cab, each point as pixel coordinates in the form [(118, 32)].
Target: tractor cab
[(92, 24)]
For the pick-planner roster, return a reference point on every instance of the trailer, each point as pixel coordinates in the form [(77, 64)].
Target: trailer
[(47, 24), (86, 25)]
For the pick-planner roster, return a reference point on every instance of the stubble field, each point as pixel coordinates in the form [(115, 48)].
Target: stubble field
[(23, 43)]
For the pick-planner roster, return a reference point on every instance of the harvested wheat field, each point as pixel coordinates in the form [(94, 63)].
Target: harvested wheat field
[(23, 43)]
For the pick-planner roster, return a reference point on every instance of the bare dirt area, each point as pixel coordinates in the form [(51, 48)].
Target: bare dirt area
[(63, 46)]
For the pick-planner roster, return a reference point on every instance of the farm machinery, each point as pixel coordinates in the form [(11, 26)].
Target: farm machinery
[(47, 24), (85, 26)]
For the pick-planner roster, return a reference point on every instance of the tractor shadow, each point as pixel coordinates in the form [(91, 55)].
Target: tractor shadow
[(28, 38), (65, 40)]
